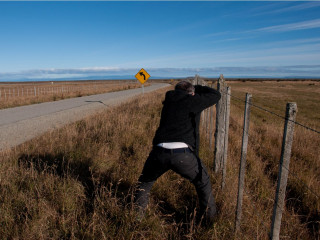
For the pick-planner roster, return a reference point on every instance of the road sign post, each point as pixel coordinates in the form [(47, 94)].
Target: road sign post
[(142, 77)]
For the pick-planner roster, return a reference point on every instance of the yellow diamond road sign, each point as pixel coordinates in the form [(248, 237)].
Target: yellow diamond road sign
[(142, 76)]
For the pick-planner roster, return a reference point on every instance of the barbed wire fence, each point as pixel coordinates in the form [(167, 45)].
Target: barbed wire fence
[(221, 148), (13, 91)]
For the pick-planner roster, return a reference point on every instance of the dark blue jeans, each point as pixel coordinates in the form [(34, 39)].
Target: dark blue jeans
[(189, 166)]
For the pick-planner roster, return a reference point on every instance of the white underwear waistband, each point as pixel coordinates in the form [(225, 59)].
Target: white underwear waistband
[(173, 145)]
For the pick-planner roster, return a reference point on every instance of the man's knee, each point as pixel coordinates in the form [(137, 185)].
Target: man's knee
[(202, 180)]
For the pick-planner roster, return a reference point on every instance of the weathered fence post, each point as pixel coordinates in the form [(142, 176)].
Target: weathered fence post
[(226, 137), (198, 81), (204, 114), (207, 117), (195, 80), (220, 124), (287, 139), (243, 160), (211, 123)]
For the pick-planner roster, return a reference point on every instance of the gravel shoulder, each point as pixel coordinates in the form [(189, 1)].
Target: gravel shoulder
[(20, 124)]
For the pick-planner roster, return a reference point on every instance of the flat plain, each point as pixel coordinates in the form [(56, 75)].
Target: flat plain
[(77, 182), (14, 94)]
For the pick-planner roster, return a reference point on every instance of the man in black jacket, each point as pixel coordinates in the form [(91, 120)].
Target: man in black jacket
[(176, 145)]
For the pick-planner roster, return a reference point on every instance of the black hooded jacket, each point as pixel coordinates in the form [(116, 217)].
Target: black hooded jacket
[(180, 115)]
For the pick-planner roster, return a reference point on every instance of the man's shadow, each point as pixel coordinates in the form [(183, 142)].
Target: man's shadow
[(80, 170)]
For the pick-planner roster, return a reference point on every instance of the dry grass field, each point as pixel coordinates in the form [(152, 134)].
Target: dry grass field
[(25, 93), (77, 182)]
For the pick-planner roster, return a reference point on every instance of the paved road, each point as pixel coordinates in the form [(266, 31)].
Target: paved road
[(21, 124)]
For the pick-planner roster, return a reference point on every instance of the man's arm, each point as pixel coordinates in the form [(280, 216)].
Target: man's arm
[(204, 97)]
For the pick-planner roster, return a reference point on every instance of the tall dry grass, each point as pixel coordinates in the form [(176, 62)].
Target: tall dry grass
[(265, 139), (77, 182)]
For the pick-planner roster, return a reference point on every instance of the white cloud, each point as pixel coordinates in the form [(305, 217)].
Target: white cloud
[(249, 34), (266, 54), (290, 27), (72, 73), (299, 7), (296, 41), (278, 8), (109, 73)]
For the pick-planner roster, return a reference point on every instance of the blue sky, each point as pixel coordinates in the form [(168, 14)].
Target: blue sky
[(59, 40)]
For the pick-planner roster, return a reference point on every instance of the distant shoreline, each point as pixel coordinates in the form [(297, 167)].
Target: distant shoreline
[(160, 79)]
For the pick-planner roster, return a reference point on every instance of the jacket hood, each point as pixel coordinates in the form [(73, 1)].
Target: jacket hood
[(175, 95)]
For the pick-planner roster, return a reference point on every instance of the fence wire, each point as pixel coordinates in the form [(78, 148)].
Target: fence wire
[(273, 113), (292, 173), (303, 183), (302, 125)]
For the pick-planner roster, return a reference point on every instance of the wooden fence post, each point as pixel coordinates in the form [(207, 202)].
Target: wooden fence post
[(211, 127), (208, 119), (204, 112), (226, 137), (243, 160), (195, 80), (220, 123), (291, 110), (198, 81), (211, 122)]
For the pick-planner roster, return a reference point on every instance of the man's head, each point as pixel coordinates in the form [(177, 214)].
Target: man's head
[(185, 86)]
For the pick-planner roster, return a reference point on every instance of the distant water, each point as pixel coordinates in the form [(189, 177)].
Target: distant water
[(130, 77)]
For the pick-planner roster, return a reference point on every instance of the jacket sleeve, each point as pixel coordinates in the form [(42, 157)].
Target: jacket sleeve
[(204, 97)]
